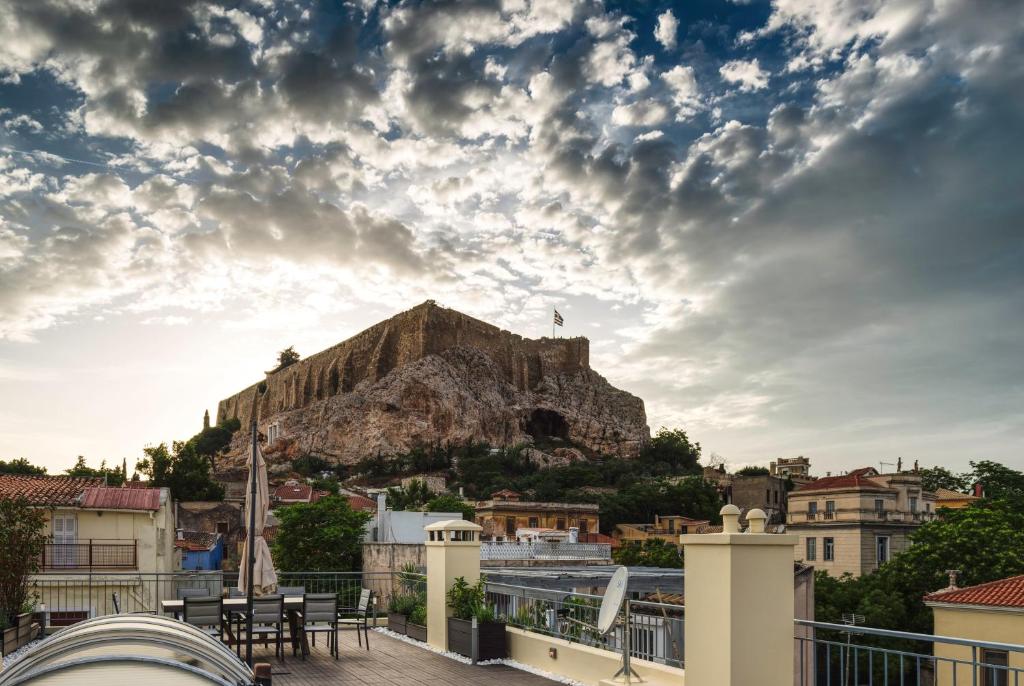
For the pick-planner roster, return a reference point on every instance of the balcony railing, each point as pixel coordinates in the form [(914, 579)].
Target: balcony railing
[(90, 554), (856, 514), (838, 654)]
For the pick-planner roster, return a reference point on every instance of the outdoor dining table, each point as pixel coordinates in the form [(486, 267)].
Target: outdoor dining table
[(292, 605)]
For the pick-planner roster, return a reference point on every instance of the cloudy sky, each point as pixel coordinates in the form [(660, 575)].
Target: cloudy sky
[(791, 227)]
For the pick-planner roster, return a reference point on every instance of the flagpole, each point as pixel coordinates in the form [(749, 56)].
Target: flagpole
[(251, 561)]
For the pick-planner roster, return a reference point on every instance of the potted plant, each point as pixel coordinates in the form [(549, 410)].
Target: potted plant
[(417, 624), (468, 602), (399, 607)]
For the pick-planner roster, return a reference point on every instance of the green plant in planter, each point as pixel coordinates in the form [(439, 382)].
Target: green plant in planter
[(418, 615), (464, 598), (402, 603)]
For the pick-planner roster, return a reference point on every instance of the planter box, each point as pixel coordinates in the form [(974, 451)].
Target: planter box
[(491, 639), (397, 623), (416, 631), (20, 634)]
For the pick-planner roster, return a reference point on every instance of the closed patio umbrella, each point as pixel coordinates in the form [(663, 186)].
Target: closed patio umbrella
[(264, 578)]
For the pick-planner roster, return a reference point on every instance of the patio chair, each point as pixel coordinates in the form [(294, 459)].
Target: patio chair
[(207, 614), (268, 622), (358, 616), (183, 593), (320, 615), (237, 617), (291, 590)]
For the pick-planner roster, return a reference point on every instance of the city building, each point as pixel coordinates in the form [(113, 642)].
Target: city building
[(992, 613), (506, 512), (797, 469), (665, 527), (199, 550), (857, 521), (292, 491), (762, 491), (98, 530)]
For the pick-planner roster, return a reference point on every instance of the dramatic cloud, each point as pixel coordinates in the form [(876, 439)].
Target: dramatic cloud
[(666, 30), (790, 228)]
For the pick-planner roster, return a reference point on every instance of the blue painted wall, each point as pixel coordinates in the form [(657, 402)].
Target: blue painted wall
[(204, 560)]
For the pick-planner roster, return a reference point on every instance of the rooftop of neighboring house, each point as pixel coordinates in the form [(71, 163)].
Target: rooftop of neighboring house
[(361, 503), (293, 491), (510, 500), (942, 494), (858, 479), (660, 524), (196, 541), (1004, 593), (70, 491)]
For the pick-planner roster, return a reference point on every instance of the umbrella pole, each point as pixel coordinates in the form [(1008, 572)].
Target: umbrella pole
[(251, 540)]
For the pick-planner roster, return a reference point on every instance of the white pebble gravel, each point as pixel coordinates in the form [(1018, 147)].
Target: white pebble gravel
[(18, 654)]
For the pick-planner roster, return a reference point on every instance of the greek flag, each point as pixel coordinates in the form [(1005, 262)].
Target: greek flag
[(558, 319)]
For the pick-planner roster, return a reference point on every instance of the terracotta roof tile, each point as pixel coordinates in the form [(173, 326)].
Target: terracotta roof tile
[(196, 541), (858, 478), (106, 498), (45, 490), (294, 492), (1003, 593), (358, 502)]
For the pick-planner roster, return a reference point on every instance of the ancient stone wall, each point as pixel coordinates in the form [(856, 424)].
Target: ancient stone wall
[(411, 335)]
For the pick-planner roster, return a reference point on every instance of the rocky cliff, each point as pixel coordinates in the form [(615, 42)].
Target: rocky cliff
[(431, 376)]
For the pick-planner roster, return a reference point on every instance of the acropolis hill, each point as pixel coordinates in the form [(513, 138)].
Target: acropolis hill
[(433, 376)]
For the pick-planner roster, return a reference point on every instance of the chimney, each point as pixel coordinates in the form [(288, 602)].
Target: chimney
[(979, 490), (953, 574)]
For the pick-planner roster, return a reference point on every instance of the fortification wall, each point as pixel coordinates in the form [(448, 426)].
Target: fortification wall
[(408, 336)]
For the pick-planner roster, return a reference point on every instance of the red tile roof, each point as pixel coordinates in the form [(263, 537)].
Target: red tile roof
[(359, 503), (107, 498), (45, 490), (196, 541), (858, 478), (1003, 593), (294, 492)]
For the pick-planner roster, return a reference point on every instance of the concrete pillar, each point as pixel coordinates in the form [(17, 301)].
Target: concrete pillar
[(453, 550), (739, 604)]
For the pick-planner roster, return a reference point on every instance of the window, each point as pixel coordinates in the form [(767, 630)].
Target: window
[(533, 522), (879, 505), (830, 549), (830, 509), (671, 526), (65, 536), (994, 671), (913, 504), (222, 528), (768, 496), (584, 526), (510, 527), (882, 549), (560, 523), (776, 496), (273, 431), (812, 509), (812, 549)]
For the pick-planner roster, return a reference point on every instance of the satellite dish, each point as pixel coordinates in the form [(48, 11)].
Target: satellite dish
[(612, 600)]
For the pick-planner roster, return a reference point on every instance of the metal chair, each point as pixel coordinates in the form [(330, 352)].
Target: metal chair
[(236, 617), (320, 615), (268, 621), (183, 593), (358, 616), (207, 614), (291, 590)]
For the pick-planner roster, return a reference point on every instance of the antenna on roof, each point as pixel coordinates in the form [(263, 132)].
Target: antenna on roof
[(882, 465)]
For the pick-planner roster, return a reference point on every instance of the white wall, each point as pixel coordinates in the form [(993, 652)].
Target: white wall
[(404, 527)]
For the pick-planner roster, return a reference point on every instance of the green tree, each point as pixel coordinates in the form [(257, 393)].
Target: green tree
[(411, 497), (753, 471), (212, 440), (691, 496), (112, 476), (184, 471), (330, 484), (653, 552), (310, 465), (672, 448), (325, 536), (22, 536), (449, 502), (22, 467), (997, 480), (286, 358), (934, 478)]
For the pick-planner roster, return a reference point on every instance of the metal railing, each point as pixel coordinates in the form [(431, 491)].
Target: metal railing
[(75, 595), (827, 655), (91, 554), (545, 551), (854, 514), (656, 630)]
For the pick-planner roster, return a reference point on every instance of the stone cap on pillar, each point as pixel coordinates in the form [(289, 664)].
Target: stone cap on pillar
[(755, 534), (453, 532)]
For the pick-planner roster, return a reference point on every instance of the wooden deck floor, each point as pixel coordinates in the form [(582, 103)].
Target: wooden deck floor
[(388, 661)]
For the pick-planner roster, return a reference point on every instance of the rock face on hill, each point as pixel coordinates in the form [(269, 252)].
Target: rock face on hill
[(433, 376)]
